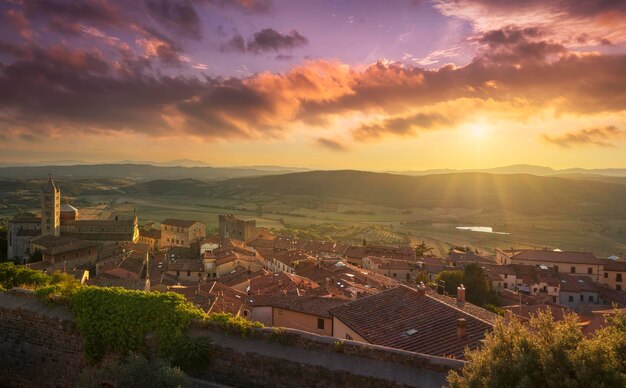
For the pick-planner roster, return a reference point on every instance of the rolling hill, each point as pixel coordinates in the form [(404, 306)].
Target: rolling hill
[(522, 193)]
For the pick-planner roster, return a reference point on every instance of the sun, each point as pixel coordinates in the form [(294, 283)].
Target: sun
[(478, 130)]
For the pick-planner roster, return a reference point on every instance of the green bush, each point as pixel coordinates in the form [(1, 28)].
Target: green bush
[(12, 275), (192, 353), (118, 320), (235, 324), (134, 371)]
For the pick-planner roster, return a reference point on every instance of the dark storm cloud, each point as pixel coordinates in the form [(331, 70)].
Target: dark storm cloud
[(265, 40), (600, 136), (269, 39)]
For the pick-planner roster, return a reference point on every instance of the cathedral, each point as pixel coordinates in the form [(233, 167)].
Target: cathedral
[(61, 222)]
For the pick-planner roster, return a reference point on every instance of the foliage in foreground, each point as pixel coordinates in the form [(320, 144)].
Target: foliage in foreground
[(235, 324), (12, 275), (117, 320), (547, 354), (134, 371)]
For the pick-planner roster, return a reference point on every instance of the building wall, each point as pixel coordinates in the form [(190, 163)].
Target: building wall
[(342, 331), (563, 267), (576, 303), (262, 314), (234, 228), (18, 245), (113, 230), (182, 237), (75, 258), (300, 321), (614, 279)]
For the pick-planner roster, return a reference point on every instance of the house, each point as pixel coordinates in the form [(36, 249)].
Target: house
[(355, 254), (578, 293), (306, 313), (233, 227), (614, 274), (414, 320), (286, 261), (282, 283), (150, 237), (183, 233), (566, 262), (187, 271), (214, 297), (20, 231), (61, 253), (220, 263), (400, 270), (125, 265), (239, 278)]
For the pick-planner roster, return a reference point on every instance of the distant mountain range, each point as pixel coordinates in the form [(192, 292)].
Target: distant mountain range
[(190, 169), (524, 169)]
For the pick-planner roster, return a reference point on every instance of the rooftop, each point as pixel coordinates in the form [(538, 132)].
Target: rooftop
[(543, 256), (312, 305), (401, 318)]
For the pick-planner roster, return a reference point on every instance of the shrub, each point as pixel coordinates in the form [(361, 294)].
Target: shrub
[(12, 275), (192, 353), (118, 320), (235, 324), (134, 371)]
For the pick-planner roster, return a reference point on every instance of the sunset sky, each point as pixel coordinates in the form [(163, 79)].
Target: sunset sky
[(377, 85)]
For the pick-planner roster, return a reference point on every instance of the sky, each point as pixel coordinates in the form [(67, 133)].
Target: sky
[(373, 85)]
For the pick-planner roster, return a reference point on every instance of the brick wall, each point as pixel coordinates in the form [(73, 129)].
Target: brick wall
[(40, 347)]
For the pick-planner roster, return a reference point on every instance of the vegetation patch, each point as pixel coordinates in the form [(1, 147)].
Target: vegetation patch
[(235, 325), (117, 320)]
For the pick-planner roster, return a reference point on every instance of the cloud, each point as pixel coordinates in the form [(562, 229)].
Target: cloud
[(265, 40), (250, 6), (330, 144), (570, 23), (269, 39), (179, 15), (600, 136), (402, 126)]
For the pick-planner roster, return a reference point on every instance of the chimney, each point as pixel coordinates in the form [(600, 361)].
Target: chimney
[(460, 294), (421, 289), (461, 328)]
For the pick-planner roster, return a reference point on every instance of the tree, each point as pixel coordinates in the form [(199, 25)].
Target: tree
[(451, 279), (547, 353), (478, 286), (422, 249), (35, 256)]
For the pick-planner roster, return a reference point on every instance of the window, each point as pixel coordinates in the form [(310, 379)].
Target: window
[(320, 323), (199, 274), (590, 270), (618, 277), (534, 289), (606, 275), (591, 298), (582, 297), (177, 273), (572, 269), (506, 276), (394, 275), (618, 287), (571, 298), (506, 286)]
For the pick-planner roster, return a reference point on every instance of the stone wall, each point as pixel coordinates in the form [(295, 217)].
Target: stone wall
[(39, 347)]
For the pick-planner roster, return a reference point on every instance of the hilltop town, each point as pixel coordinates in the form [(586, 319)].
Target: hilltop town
[(395, 296)]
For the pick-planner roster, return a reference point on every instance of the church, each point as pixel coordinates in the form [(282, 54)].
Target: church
[(60, 224)]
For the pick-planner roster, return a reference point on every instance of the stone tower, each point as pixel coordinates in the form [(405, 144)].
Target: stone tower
[(50, 209)]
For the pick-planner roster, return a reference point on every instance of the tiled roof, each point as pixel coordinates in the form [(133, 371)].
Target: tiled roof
[(544, 256), (152, 233), (185, 265), (239, 275), (281, 283), (570, 283), (402, 319), (312, 305), (614, 265), (49, 241), (289, 257), (179, 223), (525, 311), (99, 223)]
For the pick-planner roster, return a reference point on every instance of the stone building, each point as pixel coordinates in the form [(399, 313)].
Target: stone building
[(234, 228), (20, 231), (181, 233), (50, 209)]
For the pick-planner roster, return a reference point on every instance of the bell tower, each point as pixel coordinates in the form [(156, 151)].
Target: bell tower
[(50, 209)]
